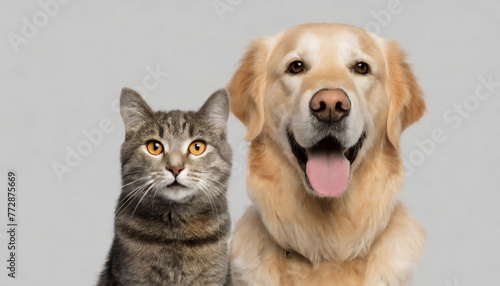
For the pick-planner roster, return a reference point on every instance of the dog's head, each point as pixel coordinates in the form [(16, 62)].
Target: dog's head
[(326, 94)]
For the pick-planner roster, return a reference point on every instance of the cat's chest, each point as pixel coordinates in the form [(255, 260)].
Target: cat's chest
[(179, 264), (175, 219)]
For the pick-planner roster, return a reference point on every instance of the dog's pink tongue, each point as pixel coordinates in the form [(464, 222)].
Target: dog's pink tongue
[(328, 172)]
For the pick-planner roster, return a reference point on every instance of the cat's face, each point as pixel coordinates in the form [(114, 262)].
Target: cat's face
[(175, 155)]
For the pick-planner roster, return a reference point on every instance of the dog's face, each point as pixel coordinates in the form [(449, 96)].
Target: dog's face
[(324, 93)]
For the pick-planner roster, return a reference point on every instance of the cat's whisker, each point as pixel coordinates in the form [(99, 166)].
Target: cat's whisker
[(217, 189), (206, 193), (208, 178), (131, 195), (154, 195), (135, 190), (145, 193), (216, 186), (142, 178), (143, 187), (204, 189)]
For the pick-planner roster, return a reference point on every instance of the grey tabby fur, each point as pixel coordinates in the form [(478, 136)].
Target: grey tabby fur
[(172, 230)]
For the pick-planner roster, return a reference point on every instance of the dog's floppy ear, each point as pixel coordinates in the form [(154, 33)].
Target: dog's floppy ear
[(247, 88), (406, 101)]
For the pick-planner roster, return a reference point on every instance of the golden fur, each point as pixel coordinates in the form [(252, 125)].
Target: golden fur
[(363, 237)]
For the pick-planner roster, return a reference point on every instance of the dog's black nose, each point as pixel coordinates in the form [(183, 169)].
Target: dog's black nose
[(330, 105)]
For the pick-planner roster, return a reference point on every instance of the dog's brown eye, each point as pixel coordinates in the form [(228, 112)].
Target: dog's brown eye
[(296, 67), (361, 68)]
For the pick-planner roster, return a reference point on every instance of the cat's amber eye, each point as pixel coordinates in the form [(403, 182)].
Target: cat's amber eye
[(197, 147), (155, 147)]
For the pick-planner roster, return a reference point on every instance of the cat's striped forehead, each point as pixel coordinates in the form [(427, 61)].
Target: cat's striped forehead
[(180, 124)]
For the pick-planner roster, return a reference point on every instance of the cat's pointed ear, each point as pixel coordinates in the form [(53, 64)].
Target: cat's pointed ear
[(216, 108), (133, 109)]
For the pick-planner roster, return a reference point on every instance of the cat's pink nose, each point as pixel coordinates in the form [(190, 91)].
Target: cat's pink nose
[(176, 170)]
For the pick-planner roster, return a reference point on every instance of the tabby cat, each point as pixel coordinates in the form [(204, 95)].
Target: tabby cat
[(172, 222)]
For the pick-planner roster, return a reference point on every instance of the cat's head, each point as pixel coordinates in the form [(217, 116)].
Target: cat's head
[(175, 155)]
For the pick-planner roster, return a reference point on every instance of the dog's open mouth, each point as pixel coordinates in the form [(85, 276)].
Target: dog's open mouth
[(327, 164)]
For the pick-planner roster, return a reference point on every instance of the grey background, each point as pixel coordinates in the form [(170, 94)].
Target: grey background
[(66, 78)]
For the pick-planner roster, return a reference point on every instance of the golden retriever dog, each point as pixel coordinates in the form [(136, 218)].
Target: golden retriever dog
[(325, 106)]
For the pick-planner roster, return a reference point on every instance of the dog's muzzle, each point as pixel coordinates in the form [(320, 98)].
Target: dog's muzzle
[(326, 165)]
